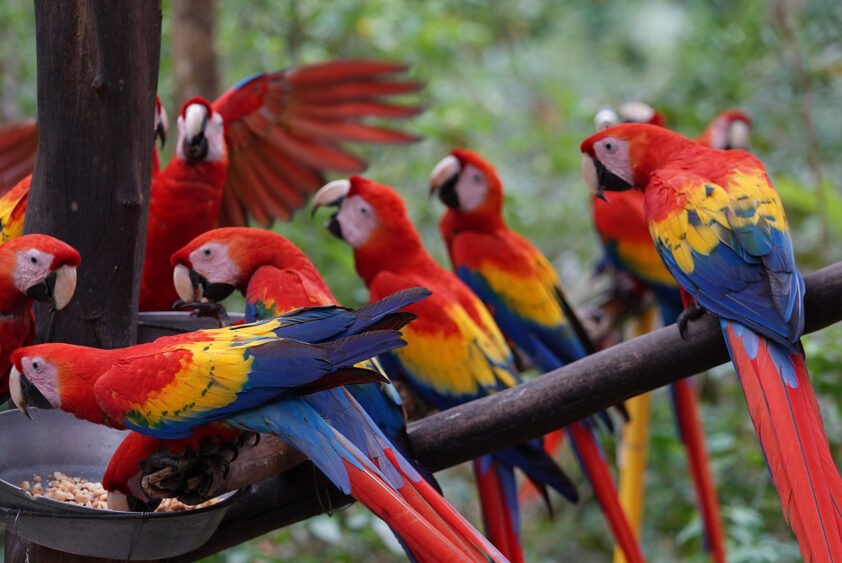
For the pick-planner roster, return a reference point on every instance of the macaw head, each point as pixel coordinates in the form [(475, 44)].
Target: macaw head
[(219, 261), (639, 112), (621, 157), (161, 121), (372, 219), (38, 267), (730, 129), (466, 182), (58, 375), (201, 132)]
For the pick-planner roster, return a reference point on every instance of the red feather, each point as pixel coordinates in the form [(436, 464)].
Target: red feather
[(789, 425)]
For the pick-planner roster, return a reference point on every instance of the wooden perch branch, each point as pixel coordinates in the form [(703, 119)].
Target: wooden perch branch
[(529, 410)]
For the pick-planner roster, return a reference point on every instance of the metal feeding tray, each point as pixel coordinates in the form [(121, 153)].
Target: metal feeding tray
[(57, 441)]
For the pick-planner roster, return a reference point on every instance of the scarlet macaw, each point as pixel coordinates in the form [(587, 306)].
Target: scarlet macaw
[(720, 228), (454, 350), (523, 292), (260, 149), (275, 276), (32, 267), (250, 377)]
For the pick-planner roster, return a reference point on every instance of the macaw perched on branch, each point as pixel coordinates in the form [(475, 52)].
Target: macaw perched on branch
[(621, 224), (260, 149), (275, 277), (251, 377), (523, 292), (720, 228), (32, 267), (454, 351)]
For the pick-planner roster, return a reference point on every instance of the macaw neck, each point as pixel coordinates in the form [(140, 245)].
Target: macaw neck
[(391, 253), (283, 255), (13, 302), (209, 172), (80, 372), (454, 222)]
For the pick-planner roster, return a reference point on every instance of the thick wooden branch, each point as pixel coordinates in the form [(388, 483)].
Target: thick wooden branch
[(532, 409)]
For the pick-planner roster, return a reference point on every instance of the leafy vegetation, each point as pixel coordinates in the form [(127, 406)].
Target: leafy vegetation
[(520, 83)]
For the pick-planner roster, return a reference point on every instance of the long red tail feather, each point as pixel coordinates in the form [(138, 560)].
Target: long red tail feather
[(500, 519), (596, 468), (788, 423)]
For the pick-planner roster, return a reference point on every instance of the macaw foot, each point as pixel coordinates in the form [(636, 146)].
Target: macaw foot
[(690, 313), (192, 475), (204, 309)]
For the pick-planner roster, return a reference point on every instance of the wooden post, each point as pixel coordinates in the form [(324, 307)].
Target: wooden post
[(97, 76)]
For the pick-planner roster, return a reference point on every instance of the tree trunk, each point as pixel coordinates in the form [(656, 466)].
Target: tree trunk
[(97, 77), (194, 50)]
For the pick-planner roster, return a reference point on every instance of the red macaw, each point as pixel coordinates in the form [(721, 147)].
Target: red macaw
[(454, 350), (260, 149), (275, 277), (720, 228), (32, 267), (621, 225), (523, 292), (251, 377)]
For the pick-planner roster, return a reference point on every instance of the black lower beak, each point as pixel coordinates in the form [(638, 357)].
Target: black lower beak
[(447, 192), (31, 395), (609, 181), (197, 147), (212, 291), (334, 227), (43, 291)]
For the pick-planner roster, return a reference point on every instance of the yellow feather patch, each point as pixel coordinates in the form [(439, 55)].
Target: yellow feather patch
[(457, 364)]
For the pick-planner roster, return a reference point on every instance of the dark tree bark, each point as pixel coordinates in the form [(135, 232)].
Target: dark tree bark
[(97, 77), (194, 50)]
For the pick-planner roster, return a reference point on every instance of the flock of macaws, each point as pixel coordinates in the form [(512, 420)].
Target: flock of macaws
[(317, 375)]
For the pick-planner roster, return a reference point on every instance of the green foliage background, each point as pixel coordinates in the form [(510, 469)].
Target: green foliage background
[(520, 82)]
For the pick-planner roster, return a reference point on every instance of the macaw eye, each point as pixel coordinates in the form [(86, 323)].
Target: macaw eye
[(364, 210), (477, 178), (609, 146), (207, 252), (33, 259), (36, 366)]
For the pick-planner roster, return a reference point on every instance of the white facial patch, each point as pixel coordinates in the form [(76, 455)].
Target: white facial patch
[(42, 374), (739, 135), (357, 220), (32, 267), (192, 123), (212, 262), (471, 188), (613, 153)]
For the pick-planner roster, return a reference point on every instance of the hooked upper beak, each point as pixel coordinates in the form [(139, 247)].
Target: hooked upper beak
[(57, 288), (161, 127), (25, 394), (193, 287), (600, 179), (443, 180), (333, 193), (195, 142)]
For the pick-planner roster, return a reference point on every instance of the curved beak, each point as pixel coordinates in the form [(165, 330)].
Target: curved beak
[(739, 135), (591, 177), (331, 193), (161, 125), (25, 394), (443, 180), (600, 179), (57, 288), (605, 118), (195, 142), (192, 287), (187, 284)]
